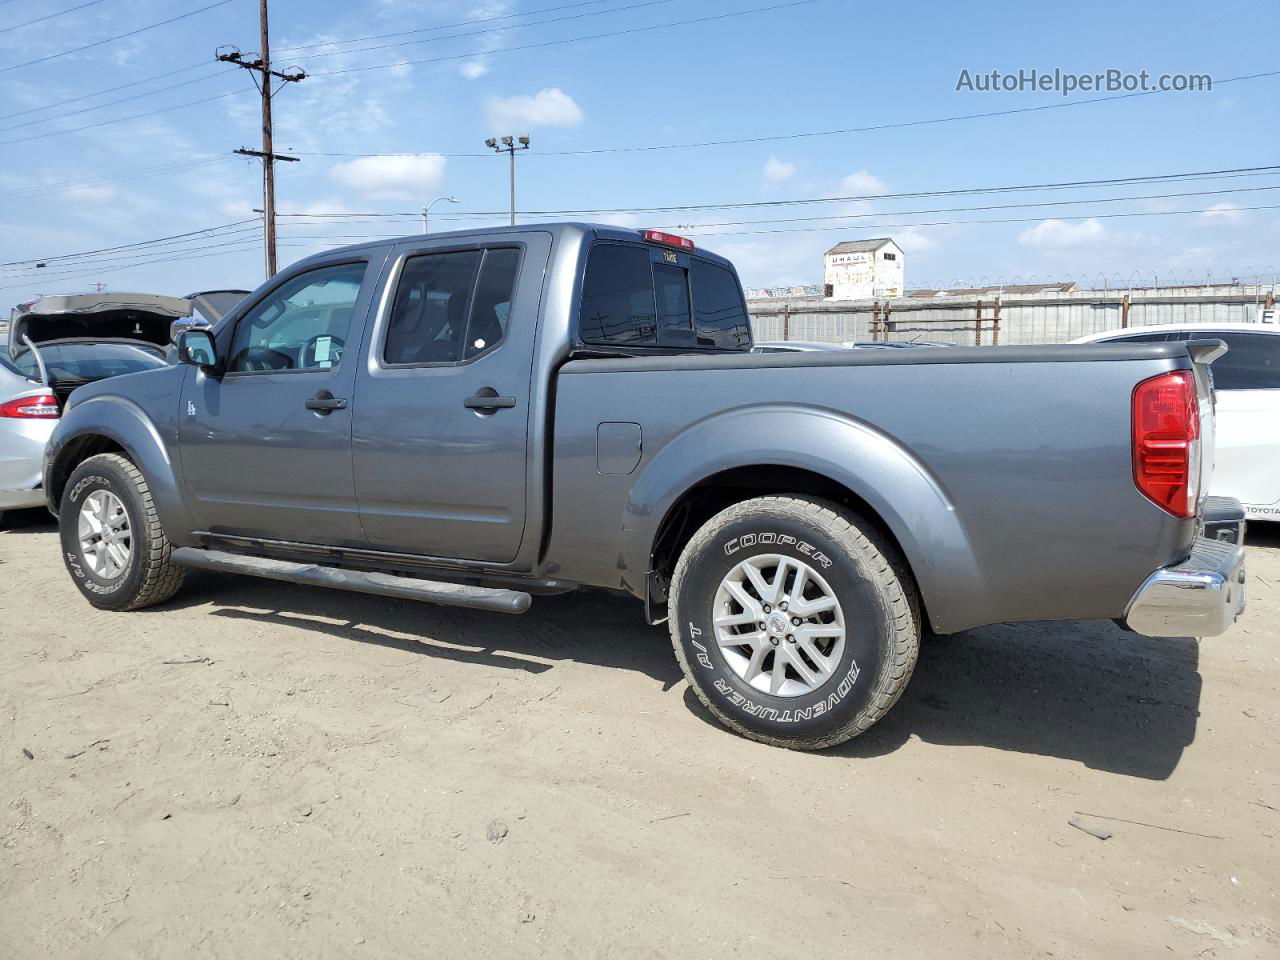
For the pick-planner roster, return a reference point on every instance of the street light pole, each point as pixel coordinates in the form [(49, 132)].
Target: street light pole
[(508, 146), (427, 209)]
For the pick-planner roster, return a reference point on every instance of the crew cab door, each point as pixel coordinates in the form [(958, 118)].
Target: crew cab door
[(266, 446), (442, 416)]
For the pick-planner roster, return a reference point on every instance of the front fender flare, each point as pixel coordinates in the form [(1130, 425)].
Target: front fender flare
[(907, 497), (126, 424)]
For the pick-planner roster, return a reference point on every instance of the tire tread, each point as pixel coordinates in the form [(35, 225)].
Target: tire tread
[(890, 574)]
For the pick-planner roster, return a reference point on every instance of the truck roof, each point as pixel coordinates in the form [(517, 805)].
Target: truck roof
[(559, 230)]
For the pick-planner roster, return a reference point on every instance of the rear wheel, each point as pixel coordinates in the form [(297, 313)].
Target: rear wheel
[(795, 623), (112, 541)]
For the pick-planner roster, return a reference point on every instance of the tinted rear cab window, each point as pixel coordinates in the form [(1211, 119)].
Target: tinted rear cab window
[(635, 295)]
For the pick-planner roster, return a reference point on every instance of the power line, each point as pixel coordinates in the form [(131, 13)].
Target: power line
[(105, 263), (481, 33), (776, 138), (55, 187), (957, 223), (917, 194), (443, 26), (133, 116), (50, 16), (558, 43), (247, 244), (126, 246), (119, 36), (98, 93), (693, 230), (196, 80), (406, 218), (109, 103)]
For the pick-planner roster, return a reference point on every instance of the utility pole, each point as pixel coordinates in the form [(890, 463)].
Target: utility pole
[(261, 67), (508, 146)]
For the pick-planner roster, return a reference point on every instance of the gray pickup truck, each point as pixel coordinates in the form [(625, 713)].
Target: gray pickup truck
[(477, 418)]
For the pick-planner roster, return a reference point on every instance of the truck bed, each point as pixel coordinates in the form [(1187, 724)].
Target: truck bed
[(999, 471)]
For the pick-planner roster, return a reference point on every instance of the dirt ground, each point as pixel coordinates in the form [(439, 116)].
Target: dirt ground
[(260, 770)]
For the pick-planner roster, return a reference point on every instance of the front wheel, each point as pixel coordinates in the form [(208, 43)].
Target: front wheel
[(112, 541), (794, 621)]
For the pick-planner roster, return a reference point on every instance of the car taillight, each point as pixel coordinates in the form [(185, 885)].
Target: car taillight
[(42, 406), (668, 239), (1166, 442)]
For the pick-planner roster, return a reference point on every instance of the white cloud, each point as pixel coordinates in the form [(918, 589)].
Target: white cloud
[(474, 69), (1223, 213), (1061, 234), (913, 240), (776, 170), (551, 107), (90, 193), (407, 177), (863, 184)]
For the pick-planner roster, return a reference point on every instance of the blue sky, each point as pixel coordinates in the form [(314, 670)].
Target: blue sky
[(818, 66)]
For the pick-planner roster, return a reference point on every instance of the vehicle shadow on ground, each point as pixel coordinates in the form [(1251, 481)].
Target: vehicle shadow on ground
[(588, 626), (26, 522), (1085, 691)]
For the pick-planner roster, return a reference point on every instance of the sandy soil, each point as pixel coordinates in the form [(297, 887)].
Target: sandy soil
[(258, 770)]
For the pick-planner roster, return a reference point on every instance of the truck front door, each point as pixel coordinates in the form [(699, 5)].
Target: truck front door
[(442, 416), (266, 446)]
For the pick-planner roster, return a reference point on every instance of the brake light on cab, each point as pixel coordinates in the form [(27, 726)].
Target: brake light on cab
[(40, 406), (1166, 442), (668, 239)]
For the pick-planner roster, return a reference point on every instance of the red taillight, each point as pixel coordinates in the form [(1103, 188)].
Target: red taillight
[(41, 406), (1166, 441), (668, 239)]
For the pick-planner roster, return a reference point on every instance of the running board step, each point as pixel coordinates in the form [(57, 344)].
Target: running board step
[(382, 584)]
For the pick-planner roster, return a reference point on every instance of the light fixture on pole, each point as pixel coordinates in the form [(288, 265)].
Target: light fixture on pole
[(508, 146), (427, 209)]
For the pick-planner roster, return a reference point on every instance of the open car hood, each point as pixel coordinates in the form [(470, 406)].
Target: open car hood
[(213, 305), (95, 316)]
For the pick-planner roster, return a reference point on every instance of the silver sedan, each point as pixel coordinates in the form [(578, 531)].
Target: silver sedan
[(28, 414)]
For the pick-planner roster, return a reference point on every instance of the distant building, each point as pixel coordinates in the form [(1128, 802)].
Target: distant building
[(863, 269), (778, 293)]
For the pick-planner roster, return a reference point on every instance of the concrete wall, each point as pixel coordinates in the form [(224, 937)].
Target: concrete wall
[(1050, 317)]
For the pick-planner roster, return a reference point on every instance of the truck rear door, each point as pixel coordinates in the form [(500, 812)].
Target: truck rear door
[(440, 431)]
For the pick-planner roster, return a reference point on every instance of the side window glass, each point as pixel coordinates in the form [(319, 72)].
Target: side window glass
[(429, 315), (302, 325), (1252, 361), (1140, 338), (491, 310), (720, 315), (617, 297), (671, 285)]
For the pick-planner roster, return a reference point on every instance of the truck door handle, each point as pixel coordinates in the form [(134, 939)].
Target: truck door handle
[(326, 402), (483, 402)]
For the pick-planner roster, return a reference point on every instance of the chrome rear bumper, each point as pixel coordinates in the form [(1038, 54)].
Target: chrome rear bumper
[(1200, 597)]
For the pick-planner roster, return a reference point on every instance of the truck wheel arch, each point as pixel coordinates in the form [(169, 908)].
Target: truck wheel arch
[(113, 425), (759, 451)]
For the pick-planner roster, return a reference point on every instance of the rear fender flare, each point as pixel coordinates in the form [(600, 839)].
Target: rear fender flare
[(906, 496)]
